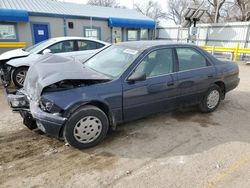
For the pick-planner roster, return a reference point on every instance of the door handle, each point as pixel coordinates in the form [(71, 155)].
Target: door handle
[(170, 84), (210, 76)]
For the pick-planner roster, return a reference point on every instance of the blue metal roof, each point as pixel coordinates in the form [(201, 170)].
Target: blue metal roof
[(131, 23), (10, 15)]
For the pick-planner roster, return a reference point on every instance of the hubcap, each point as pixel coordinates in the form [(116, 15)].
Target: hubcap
[(87, 129), (20, 77), (213, 99)]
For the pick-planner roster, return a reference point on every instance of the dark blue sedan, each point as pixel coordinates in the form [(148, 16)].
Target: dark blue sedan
[(124, 82)]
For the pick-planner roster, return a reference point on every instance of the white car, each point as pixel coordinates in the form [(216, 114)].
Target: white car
[(14, 64)]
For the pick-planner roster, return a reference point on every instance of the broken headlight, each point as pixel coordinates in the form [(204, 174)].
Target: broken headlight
[(49, 106), (18, 101)]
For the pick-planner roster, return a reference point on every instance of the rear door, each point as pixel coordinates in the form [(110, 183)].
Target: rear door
[(195, 75), (157, 92)]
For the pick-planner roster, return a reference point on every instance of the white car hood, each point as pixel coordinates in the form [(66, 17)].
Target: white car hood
[(13, 53), (24, 61)]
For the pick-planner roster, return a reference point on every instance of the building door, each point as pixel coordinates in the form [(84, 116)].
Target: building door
[(40, 32), (116, 34)]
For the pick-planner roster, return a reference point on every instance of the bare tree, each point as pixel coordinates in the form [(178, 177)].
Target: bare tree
[(103, 3), (244, 7), (217, 10), (176, 9), (216, 7), (151, 9)]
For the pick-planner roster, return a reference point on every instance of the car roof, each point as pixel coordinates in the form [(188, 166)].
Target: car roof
[(144, 44), (57, 39)]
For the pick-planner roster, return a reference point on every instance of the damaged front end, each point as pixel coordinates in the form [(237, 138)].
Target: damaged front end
[(19, 102), (40, 114), (49, 76), (5, 73)]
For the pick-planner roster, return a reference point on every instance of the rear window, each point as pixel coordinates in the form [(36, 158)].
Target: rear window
[(88, 45)]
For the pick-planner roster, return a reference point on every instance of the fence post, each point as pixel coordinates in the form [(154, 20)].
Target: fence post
[(213, 49), (236, 52)]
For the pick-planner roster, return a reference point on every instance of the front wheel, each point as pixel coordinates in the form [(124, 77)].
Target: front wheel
[(19, 76), (211, 100), (86, 127)]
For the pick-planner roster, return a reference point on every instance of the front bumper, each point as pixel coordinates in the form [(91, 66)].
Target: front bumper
[(5, 75), (50, 124)]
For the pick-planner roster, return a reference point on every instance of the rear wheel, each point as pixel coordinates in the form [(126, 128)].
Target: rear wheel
[(211, 100), (19, 76), (86, 127)]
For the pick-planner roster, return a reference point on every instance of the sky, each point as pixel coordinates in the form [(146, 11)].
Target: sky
[(129, 4)]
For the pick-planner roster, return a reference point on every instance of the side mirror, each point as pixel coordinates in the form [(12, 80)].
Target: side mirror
[(46, 51), (137, 76)]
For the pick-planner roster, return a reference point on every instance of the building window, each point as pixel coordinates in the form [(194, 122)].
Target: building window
[(93, 33), (7, 32), (144, 34), (132, 35)]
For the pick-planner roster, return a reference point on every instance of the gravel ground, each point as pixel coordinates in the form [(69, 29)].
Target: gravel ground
[(180, 149)]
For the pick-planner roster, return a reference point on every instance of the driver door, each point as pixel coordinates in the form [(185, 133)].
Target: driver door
[(156, 93)]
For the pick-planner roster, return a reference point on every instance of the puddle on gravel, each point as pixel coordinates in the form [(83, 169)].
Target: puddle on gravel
[(204, 120)]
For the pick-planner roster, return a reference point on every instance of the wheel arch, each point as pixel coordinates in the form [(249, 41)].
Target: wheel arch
[(13, 69), (99, 104), (222, 85)]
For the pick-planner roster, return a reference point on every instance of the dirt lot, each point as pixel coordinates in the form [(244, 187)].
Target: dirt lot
[(180, 149)]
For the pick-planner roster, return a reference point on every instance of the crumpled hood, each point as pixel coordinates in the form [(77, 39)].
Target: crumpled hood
[(13, 54), (50, 69)]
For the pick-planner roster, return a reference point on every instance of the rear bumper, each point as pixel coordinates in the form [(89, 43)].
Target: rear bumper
[(232, 85), (50, 124)]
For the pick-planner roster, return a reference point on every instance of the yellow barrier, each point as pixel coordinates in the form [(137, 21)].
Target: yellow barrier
[(12, 44), (235, 51)]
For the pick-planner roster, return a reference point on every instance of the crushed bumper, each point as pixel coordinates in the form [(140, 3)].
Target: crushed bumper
[(50, 124), (5, 76)]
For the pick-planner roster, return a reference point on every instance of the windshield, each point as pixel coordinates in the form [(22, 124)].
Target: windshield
[(38, 46), (112, 61)]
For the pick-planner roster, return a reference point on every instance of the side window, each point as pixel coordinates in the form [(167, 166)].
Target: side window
[(156, 63), (88, 45), (64, 46), (190, 59)]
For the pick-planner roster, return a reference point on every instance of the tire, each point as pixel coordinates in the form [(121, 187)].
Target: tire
[(19, 76), (86, 127), (211, 100)]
